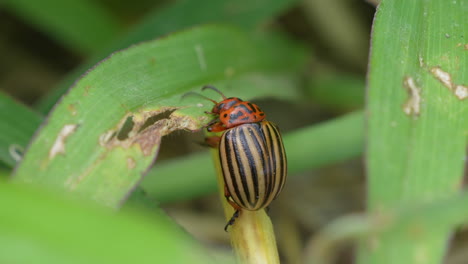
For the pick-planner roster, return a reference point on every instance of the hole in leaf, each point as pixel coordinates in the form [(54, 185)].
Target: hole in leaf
[(153, 119), (125, 129)]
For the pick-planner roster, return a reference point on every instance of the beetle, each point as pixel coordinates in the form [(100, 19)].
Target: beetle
[(251, 153)]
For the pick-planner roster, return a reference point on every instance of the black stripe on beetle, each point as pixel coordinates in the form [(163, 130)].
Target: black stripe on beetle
[(245, 108), (231, 163), (251, 152), (252, 107), (230, 103), (253, 166)]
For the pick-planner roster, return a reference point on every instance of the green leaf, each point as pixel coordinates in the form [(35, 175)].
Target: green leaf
[(17, 124), (106, 131), (82, 25), (183, 14), (418, 117), (417, 221), (38, 226), (184, 178), (337, 91)]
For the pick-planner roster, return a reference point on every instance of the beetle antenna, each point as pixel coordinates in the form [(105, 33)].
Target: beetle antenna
[(199, 95), (211, 87)]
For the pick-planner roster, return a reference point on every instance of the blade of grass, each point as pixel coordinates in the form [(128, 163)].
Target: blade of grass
[(17, 124), (246, 14), (106, 131), (82, 25), (182, 14), (417, 121), (337, 91), (38, 226), (341, 29), (184, 178), (414, 220)]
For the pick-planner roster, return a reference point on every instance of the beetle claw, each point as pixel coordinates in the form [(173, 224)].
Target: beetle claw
[(232, 220)]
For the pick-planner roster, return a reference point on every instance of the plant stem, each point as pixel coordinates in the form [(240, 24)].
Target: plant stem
[(252, 236)]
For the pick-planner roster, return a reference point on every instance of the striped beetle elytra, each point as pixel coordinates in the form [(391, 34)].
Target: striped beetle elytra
[(251, 152)]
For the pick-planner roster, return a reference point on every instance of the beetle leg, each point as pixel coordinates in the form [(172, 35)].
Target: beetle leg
[(236, 207), (232, 220), (227, 195), (212, 122), (212, 141), (216, 127)]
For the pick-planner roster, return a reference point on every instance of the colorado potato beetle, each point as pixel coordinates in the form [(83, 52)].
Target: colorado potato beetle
[(251, 154)]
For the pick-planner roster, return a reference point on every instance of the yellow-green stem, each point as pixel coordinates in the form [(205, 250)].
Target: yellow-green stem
[(252, 236)]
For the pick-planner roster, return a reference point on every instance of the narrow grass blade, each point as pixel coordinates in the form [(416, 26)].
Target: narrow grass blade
[(17, 124), (106, 131), (417, 119), (337, 91), (418, 220), (246, 14), (81, 25)]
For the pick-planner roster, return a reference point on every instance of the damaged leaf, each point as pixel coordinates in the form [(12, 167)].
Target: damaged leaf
[(410, 160), (128, 102)]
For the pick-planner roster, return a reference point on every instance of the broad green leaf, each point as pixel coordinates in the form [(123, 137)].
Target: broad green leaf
[(38, 226), (17, 124), (418, 118), (106, 131), (82, 25), (182, 14), (306, 148)]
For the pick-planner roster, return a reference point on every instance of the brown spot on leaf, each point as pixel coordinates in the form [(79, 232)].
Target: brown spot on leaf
[(146, 129), (442, 76), (412, 106), (153, 119), (86, 92), (460, 91), (59, 145), (131, 163), (72, 109), (421, 61)]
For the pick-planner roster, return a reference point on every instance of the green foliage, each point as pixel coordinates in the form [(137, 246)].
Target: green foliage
[(417, 123), (245, 14), (17, 126), (82, 25), (39, 226), (106, 131)]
